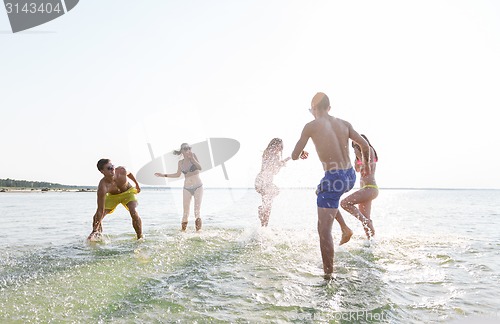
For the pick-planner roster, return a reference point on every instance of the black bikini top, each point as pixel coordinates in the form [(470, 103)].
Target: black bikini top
[(191, 169)]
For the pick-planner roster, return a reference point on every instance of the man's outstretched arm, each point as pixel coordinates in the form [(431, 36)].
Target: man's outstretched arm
[(298, 151), (131, 177)]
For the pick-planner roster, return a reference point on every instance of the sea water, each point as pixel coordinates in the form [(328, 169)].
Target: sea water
[(435, 258)]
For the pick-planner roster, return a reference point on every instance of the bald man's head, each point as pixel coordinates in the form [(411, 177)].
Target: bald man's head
[(320, 101)]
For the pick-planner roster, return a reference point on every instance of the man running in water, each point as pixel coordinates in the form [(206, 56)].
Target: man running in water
[(331, 136)]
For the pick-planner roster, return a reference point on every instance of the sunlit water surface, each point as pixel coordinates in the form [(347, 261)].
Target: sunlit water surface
[(435, 259)]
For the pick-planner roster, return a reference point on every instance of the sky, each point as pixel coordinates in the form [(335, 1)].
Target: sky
[(420, 78)]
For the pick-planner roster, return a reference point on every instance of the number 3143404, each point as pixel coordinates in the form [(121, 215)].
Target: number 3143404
[(33, 8)]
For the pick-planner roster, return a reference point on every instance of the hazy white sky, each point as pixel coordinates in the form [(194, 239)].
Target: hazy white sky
[(420, 78)]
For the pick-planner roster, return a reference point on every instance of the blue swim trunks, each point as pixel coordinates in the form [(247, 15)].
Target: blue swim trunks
[(333, 185)]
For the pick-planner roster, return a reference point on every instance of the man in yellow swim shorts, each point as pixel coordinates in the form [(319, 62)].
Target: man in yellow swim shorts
[(114, 189)]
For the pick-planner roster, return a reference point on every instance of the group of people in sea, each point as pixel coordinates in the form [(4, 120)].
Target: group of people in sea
[(330, 136)]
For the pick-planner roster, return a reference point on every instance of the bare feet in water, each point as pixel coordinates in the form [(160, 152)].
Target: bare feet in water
[(346, 236), (95, 237), (369, 229)]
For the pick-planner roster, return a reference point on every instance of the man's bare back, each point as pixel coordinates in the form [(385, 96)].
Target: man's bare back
[(330, 136)]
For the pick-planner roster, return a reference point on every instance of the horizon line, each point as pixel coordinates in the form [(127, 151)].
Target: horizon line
[(313, 188)]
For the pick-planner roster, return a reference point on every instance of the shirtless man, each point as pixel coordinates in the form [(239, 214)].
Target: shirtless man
[(331, 136), (115, 189)]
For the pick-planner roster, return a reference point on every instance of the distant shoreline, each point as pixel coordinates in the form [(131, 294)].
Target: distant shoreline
[(28, 190), (148, 188)]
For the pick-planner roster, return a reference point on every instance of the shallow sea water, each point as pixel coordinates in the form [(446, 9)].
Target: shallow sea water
[(435, 259)]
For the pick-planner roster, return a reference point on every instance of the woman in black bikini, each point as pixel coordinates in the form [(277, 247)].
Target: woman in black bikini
[(190, 167)]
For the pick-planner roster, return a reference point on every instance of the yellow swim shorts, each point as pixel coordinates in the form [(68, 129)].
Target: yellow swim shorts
[(122, 198)]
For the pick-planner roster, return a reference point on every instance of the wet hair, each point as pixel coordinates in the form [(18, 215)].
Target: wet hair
[(101, 163), (321, 101), (180, 150), (273, 145), (366, 139)]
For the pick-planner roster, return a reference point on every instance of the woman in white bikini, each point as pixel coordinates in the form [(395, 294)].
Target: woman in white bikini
[(193, 187), (367, 192), (271, 164)]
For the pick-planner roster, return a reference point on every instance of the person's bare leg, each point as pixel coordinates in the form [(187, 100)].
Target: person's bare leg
[(346, 231), (358, 197), (97, 226), (267, 212), (261, 215), (325, 222), (198, 197), (263, 210), (366, 222), (365, 209), (136, 220), (186, 204)]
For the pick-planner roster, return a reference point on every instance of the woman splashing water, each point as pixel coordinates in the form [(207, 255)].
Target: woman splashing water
[(271, 164), (366, 194)]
